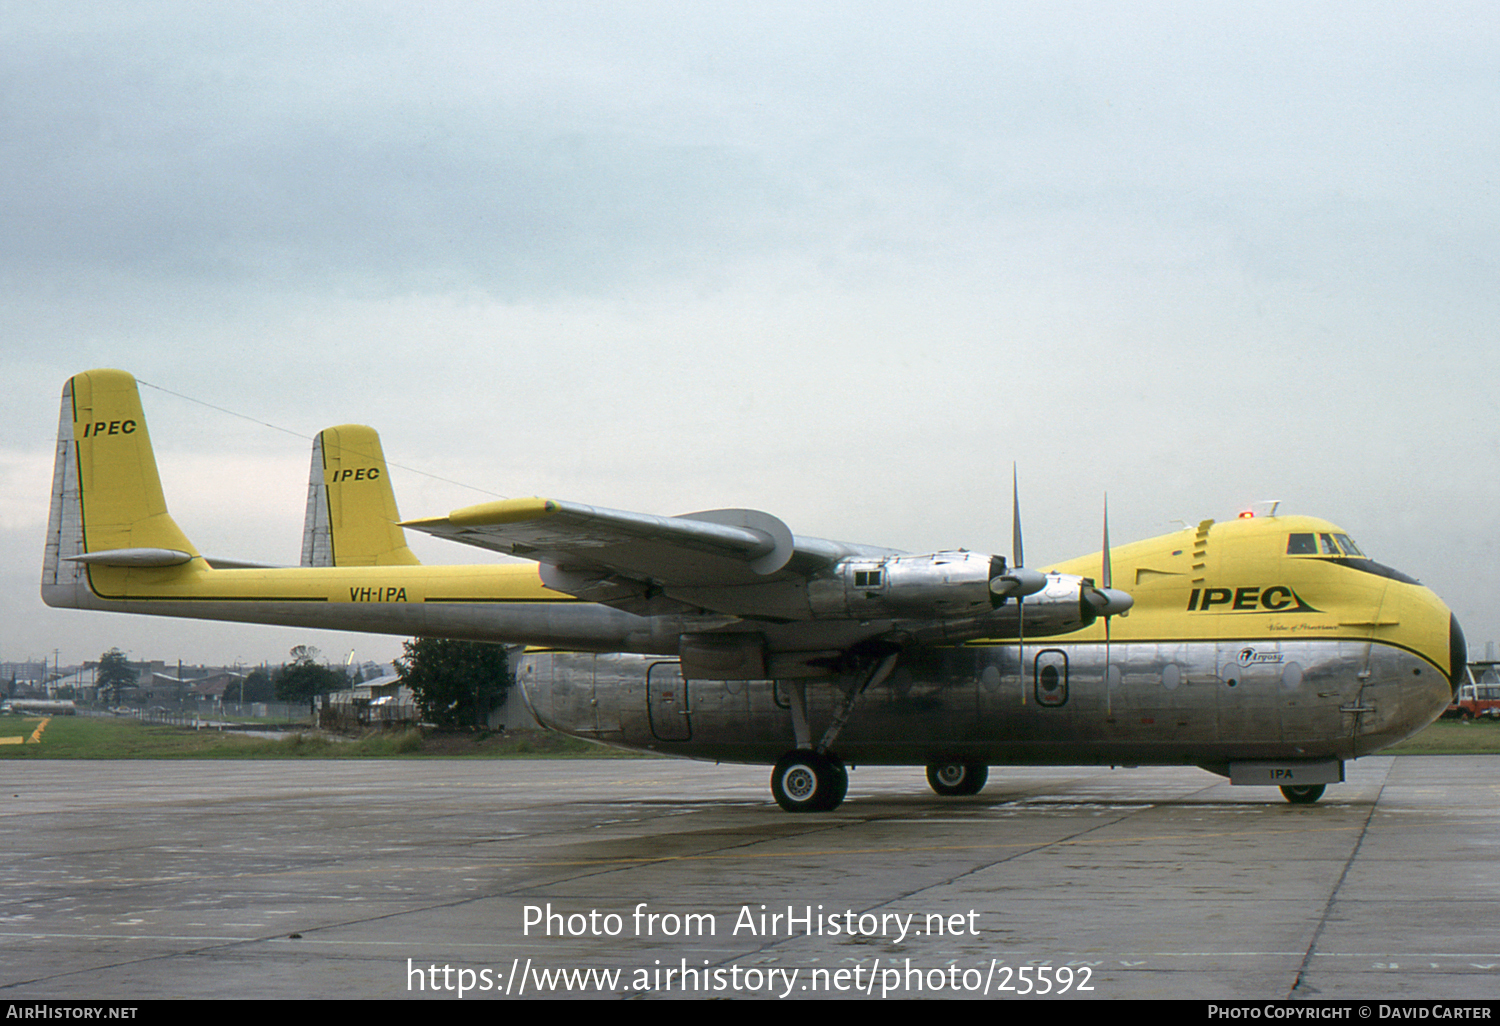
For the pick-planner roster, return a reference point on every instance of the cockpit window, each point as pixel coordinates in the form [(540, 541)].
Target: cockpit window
[(1340, 549), (1322, 545)]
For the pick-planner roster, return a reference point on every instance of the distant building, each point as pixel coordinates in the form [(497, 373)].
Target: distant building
[(382, 700), (32, 674)]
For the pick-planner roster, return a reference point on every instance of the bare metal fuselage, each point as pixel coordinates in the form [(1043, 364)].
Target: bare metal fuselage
[(1200, 703)]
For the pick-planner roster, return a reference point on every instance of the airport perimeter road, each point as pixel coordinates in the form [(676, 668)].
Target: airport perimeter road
[(380, 879)]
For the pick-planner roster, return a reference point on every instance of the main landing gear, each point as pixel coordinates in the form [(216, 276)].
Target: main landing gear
[(810, 778), (1304, 795), (809, 781)]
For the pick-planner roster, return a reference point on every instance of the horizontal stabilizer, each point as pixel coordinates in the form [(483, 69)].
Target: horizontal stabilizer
[(134, 557)]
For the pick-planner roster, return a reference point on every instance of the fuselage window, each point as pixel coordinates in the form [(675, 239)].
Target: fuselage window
[(1301, 545), (867, 578)]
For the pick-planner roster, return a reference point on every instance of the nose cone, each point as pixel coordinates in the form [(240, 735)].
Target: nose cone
[(1458, 653)]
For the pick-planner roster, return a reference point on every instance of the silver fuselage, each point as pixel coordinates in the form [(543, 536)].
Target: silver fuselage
[(1200, 703)]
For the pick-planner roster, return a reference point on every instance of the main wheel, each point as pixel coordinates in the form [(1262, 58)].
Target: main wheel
[(955, 778), (1304, 795), (808, 781)]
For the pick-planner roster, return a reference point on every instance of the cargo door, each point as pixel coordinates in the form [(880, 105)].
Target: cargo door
[(667, 702)]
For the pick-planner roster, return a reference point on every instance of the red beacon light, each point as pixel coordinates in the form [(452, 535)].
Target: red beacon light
[(1249, 513)]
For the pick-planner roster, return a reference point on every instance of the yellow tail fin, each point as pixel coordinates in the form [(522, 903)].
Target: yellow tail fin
[(109, 520), (351, 509)]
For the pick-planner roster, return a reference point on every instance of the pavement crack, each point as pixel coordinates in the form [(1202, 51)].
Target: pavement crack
[(1300, 986)]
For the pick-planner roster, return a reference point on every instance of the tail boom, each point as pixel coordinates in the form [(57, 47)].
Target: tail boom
[(112, 545)]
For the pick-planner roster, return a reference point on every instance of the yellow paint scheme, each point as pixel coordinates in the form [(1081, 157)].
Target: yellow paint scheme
[(1262, 594), (197, 581), (123, 508), (362, 514), (503, 511), (117, 468), (1247, 557)]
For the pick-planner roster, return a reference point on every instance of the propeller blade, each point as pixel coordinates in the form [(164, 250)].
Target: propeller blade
[(1107, 600), (1109, 698), (1108, 579), (1017, 561), (1016, 558)]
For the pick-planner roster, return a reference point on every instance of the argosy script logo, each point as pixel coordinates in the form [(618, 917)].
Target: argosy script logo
[(1276, 599), (1250, 657)]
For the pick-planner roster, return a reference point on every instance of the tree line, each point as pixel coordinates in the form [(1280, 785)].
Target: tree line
[(455, 683)]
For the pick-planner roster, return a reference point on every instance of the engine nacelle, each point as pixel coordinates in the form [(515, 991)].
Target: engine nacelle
[(1064, 604), (935, 585)]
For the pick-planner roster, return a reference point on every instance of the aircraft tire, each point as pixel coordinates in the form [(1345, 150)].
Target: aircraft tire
[(1305, 795), (840, 786), (808, 781), (957, 778)]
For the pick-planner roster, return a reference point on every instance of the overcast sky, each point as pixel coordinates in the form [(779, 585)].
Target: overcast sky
[(841, 262)]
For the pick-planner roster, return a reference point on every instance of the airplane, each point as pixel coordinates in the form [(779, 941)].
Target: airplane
[(1266, 649)]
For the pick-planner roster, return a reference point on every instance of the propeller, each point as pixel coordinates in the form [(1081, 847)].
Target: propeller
[(1015, 580), (1105, 599), (1107, 602), (1107, 578), (1017, 560), (1018, 582)]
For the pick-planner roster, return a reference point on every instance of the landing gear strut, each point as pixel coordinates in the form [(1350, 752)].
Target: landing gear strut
[(957, 778), (1305, 795), (810, 778), (809, 781)]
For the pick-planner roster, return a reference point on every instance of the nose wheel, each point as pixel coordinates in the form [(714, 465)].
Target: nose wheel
[(957, 778), (808, 781), (1305, 795)]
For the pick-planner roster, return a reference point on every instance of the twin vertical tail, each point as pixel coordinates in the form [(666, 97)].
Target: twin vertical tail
[(109, 530), (110, 537)]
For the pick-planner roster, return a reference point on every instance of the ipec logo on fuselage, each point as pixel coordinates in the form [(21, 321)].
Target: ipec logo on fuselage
[(1278, 598)]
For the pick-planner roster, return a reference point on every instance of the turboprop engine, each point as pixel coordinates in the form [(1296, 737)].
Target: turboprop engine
[(964, 595), (933, 585)]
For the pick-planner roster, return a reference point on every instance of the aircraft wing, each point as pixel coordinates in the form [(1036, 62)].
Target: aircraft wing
[(615, 557)]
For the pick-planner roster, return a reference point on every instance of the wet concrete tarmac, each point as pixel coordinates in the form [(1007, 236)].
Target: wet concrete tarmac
[(393, 879)]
